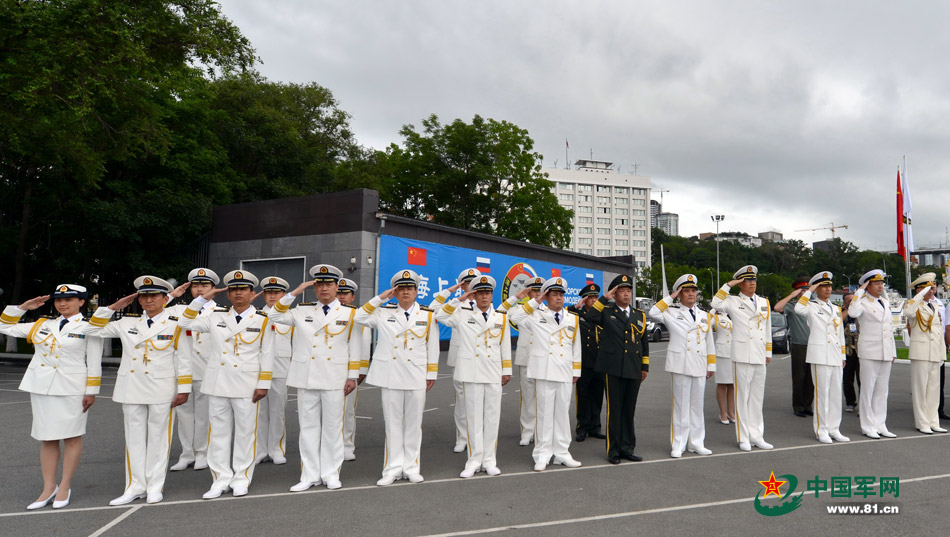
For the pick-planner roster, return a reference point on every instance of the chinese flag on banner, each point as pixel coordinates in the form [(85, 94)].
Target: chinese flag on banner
[(417, 256), (900, 218), (555, 272)]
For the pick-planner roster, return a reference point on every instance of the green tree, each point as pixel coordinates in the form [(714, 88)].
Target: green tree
[(483, 176)]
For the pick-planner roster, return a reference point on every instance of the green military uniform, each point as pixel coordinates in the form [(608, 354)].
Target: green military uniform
[(623, 357), (852, 366), (590, 386)]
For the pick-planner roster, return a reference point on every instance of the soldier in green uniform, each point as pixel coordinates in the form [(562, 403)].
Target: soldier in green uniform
[(624, 359), (590, 387), (852, 366)]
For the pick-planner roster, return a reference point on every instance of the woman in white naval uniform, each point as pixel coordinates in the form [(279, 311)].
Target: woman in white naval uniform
[(690, 360), (405, 366), (725, 390), (876, 352), (483, 367), (554, 365), (826, 354), (152, 379), (63, 380), (324, 368), (271, 417), (346, 294), (528, 402)]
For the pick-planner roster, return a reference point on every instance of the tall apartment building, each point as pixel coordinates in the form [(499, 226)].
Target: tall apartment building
[(610, 209), (655, 210), (669, 223)]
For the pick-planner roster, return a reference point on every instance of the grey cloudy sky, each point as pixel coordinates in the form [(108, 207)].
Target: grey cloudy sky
[(781, 114)]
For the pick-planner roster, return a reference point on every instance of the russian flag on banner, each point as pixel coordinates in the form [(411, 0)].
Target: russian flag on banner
[(589, 278), (555, 272), (416, 256), (483, 264)]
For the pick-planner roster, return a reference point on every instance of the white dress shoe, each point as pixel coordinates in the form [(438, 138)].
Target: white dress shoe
[(838, 437), (468, 472), (154, 498), (540, 466), (926, 431), (181, 465), (349, 456), (762, 444), (201, 462), (459, 448), (567, 461), (212, 494), (303, 485), (524, 442), (239, 491), (60, 504), (824, 439), (887, 434), (278, 459), (938, 429), (701, 450), (386, 480), (676, 453), (745, 446), (416, 478), (334, 484), (260, 459), (126, 498), (492, 470), (872, 434), (43, 503), (724, 422)]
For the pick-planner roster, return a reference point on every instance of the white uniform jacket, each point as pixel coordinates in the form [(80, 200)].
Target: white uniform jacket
[(194, 343), (407, 350), (825, 331), (484, 352), (926, 329), (283, 344), (876, 339), (555, 348), (436, 305), (692, 349), (722, 326), (242, 354), (751, 325), (65, 362), (326, 348), (152, 370), (525, 336)]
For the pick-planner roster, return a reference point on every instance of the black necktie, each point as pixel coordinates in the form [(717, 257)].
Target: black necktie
[(557, 318), (691, 312), (149, 322), (326, 309), (407, 315), (485, 315), (931, 306), (63, 323), (881, 302), (237, 319)]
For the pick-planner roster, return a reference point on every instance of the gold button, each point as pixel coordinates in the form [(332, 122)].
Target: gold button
[(224, 352), (394, 357), (134, 359), (132, 371), (54, 367), (197, 352), (328, 357), (146, 372), (313, 357), (329, 346), (42, 365), (222, 363), (228, 340), (235, 365)]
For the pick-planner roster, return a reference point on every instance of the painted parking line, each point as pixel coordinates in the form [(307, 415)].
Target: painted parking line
[(115, 521)]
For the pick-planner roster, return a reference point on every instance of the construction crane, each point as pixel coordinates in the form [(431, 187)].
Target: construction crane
[(661, 195), (832, 227)]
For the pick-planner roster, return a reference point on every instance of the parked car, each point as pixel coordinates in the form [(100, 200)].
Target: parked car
[(779, 333), (657, 331)]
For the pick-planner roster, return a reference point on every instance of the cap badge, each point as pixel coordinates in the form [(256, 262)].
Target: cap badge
[(238, 275), (689, 278), (623, 279), (826, 275), (323, 270), (484, 279), (273, 280), (471, 272), (405, 274), (63, 289), (748, 269), (559, 281), (147, 281), (201, 272)]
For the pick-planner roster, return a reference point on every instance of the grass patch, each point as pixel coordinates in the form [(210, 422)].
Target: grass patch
[(902, 353)]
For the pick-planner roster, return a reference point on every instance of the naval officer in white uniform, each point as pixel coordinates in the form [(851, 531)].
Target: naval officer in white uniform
[(271, 419), (690, 360), (528, 401), (346, 294), (927, 353)]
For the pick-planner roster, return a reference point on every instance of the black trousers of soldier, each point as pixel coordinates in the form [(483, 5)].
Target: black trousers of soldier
[(621, 406), (803, 390), (590, 400), (852, 374)]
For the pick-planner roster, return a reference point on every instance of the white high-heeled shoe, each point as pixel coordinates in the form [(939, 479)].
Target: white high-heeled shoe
[(43, 503), (60, 504)]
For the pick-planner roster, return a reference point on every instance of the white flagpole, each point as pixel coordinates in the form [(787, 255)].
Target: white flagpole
[(666, 288), (907, 223)]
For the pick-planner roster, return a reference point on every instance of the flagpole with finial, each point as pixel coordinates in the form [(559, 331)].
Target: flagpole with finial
[(907, 223)]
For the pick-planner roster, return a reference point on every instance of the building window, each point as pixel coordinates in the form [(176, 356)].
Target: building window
[(584, 209), (584, 219), (639, 233), (584, 230), (582, 197), (620, 190), (621, 242), (585, 241), (603, 242), (603, 220), (585, 188), (621, 231), (640, 203), (640, 243), (602, 188), (567, 197), (639, 212), (587, 251), (603, 252), (622, 252), (639, 223), (603, 210), (622, 201), (621, 211), (639, 192), (567, 186), (603, 200), (603, 231), (622, 221)]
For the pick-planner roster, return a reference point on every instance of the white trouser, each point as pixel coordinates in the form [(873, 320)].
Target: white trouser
[(750, 392), (231, 463), (482, 413), (402, 412), (529, 404), (320, 413), (925, 392), (349, 422), (687, 428), (827, 401), (461, 426), (148, 433), (193, 425), (553, 433), (270, 420), (875, 376)]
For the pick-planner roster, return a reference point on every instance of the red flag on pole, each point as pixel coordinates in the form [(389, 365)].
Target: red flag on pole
[(901, 250)]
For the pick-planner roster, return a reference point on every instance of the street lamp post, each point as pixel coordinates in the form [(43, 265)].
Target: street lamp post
[(717, 218)]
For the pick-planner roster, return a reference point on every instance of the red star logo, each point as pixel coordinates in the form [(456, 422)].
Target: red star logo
[(772, 486)]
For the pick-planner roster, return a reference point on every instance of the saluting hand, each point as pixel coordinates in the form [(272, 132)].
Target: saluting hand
[(213, 292), (522, 293), (675, 294), (387, 294), (256, 295), (609, 295), (180, 290), (302, 287), (813, 287), (467, 296), (863, 286), (123, 302), (34, 303), (733, 283)]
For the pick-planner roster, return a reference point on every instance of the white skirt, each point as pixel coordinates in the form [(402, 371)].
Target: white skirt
[(724, 373), (57, 417)]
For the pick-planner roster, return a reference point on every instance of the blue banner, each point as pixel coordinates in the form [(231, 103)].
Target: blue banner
[(438, 265)]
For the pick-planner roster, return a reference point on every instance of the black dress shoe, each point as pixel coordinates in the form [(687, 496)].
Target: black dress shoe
[(808, 412), (613, 459), (631, 457), (580, 436), (801, 414), (597, 435)]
